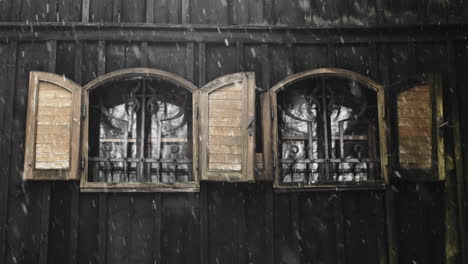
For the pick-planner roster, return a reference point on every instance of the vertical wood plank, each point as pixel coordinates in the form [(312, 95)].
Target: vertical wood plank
[(190, 63), (149, 11), (185, 11), (116, 10), (204, 249), (75, 188), (241, 225), (379, 6), (233, 12), (390, 213), (6, 110), (295, 228), (268, 10), (240, 55), (270, 226), (45, 192), (457, 138), (85, 11), (101, 57), (157, 232), (455, 229), (145, 52), (266, 114), (339, 221), (102, 213), (201, 64), (102, 228)]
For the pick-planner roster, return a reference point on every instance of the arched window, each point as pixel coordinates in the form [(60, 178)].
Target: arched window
[(139, 131), (327, 129)]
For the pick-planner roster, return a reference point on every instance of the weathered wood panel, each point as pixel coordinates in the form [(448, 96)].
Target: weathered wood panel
[(415, 128), (420, 213), (25, 205), (174, 221)]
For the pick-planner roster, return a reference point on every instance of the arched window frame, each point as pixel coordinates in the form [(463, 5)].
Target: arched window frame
[(269, 109), (139, 186)]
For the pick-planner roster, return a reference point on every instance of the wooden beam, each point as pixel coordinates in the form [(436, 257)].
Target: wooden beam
[(251, 34), (85, 11), (6, 110)]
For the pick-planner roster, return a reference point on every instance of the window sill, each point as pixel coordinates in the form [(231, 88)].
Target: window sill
[(355, 186), (139, 187)]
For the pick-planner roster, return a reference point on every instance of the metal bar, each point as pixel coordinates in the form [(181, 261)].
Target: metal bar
[(310, 153), (342, 157), (146, 160), (325, 129), (345, 137), (141, 138)]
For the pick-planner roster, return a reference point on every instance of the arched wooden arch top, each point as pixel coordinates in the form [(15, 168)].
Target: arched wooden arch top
[(141, 72), (332, 72)]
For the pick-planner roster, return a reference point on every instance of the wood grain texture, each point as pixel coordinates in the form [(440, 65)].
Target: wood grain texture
[(53, 133), (228, 110)]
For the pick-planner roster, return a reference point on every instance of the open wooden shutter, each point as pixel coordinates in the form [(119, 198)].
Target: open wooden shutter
[(417, 118), (227, 120), (52, 128), (267, 116)]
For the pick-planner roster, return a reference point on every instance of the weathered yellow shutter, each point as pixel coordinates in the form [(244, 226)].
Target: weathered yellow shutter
[(52, 128), (227, 120), (419, 120)]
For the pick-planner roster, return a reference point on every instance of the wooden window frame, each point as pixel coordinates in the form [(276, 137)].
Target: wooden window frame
[(140, 186), (30, 172), (270, 123), (247, 128), (438, 170)]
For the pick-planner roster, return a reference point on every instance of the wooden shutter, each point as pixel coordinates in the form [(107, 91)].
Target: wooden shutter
[(52, 128), (267, 116), (418, 122), (227, 120)]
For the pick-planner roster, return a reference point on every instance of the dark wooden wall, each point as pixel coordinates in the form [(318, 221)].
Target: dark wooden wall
[(53, 222), (242, 12)]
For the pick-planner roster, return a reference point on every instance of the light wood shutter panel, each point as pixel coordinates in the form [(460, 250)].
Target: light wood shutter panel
[(415, 127), (419, 121), (52, 128), (228, 128)]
